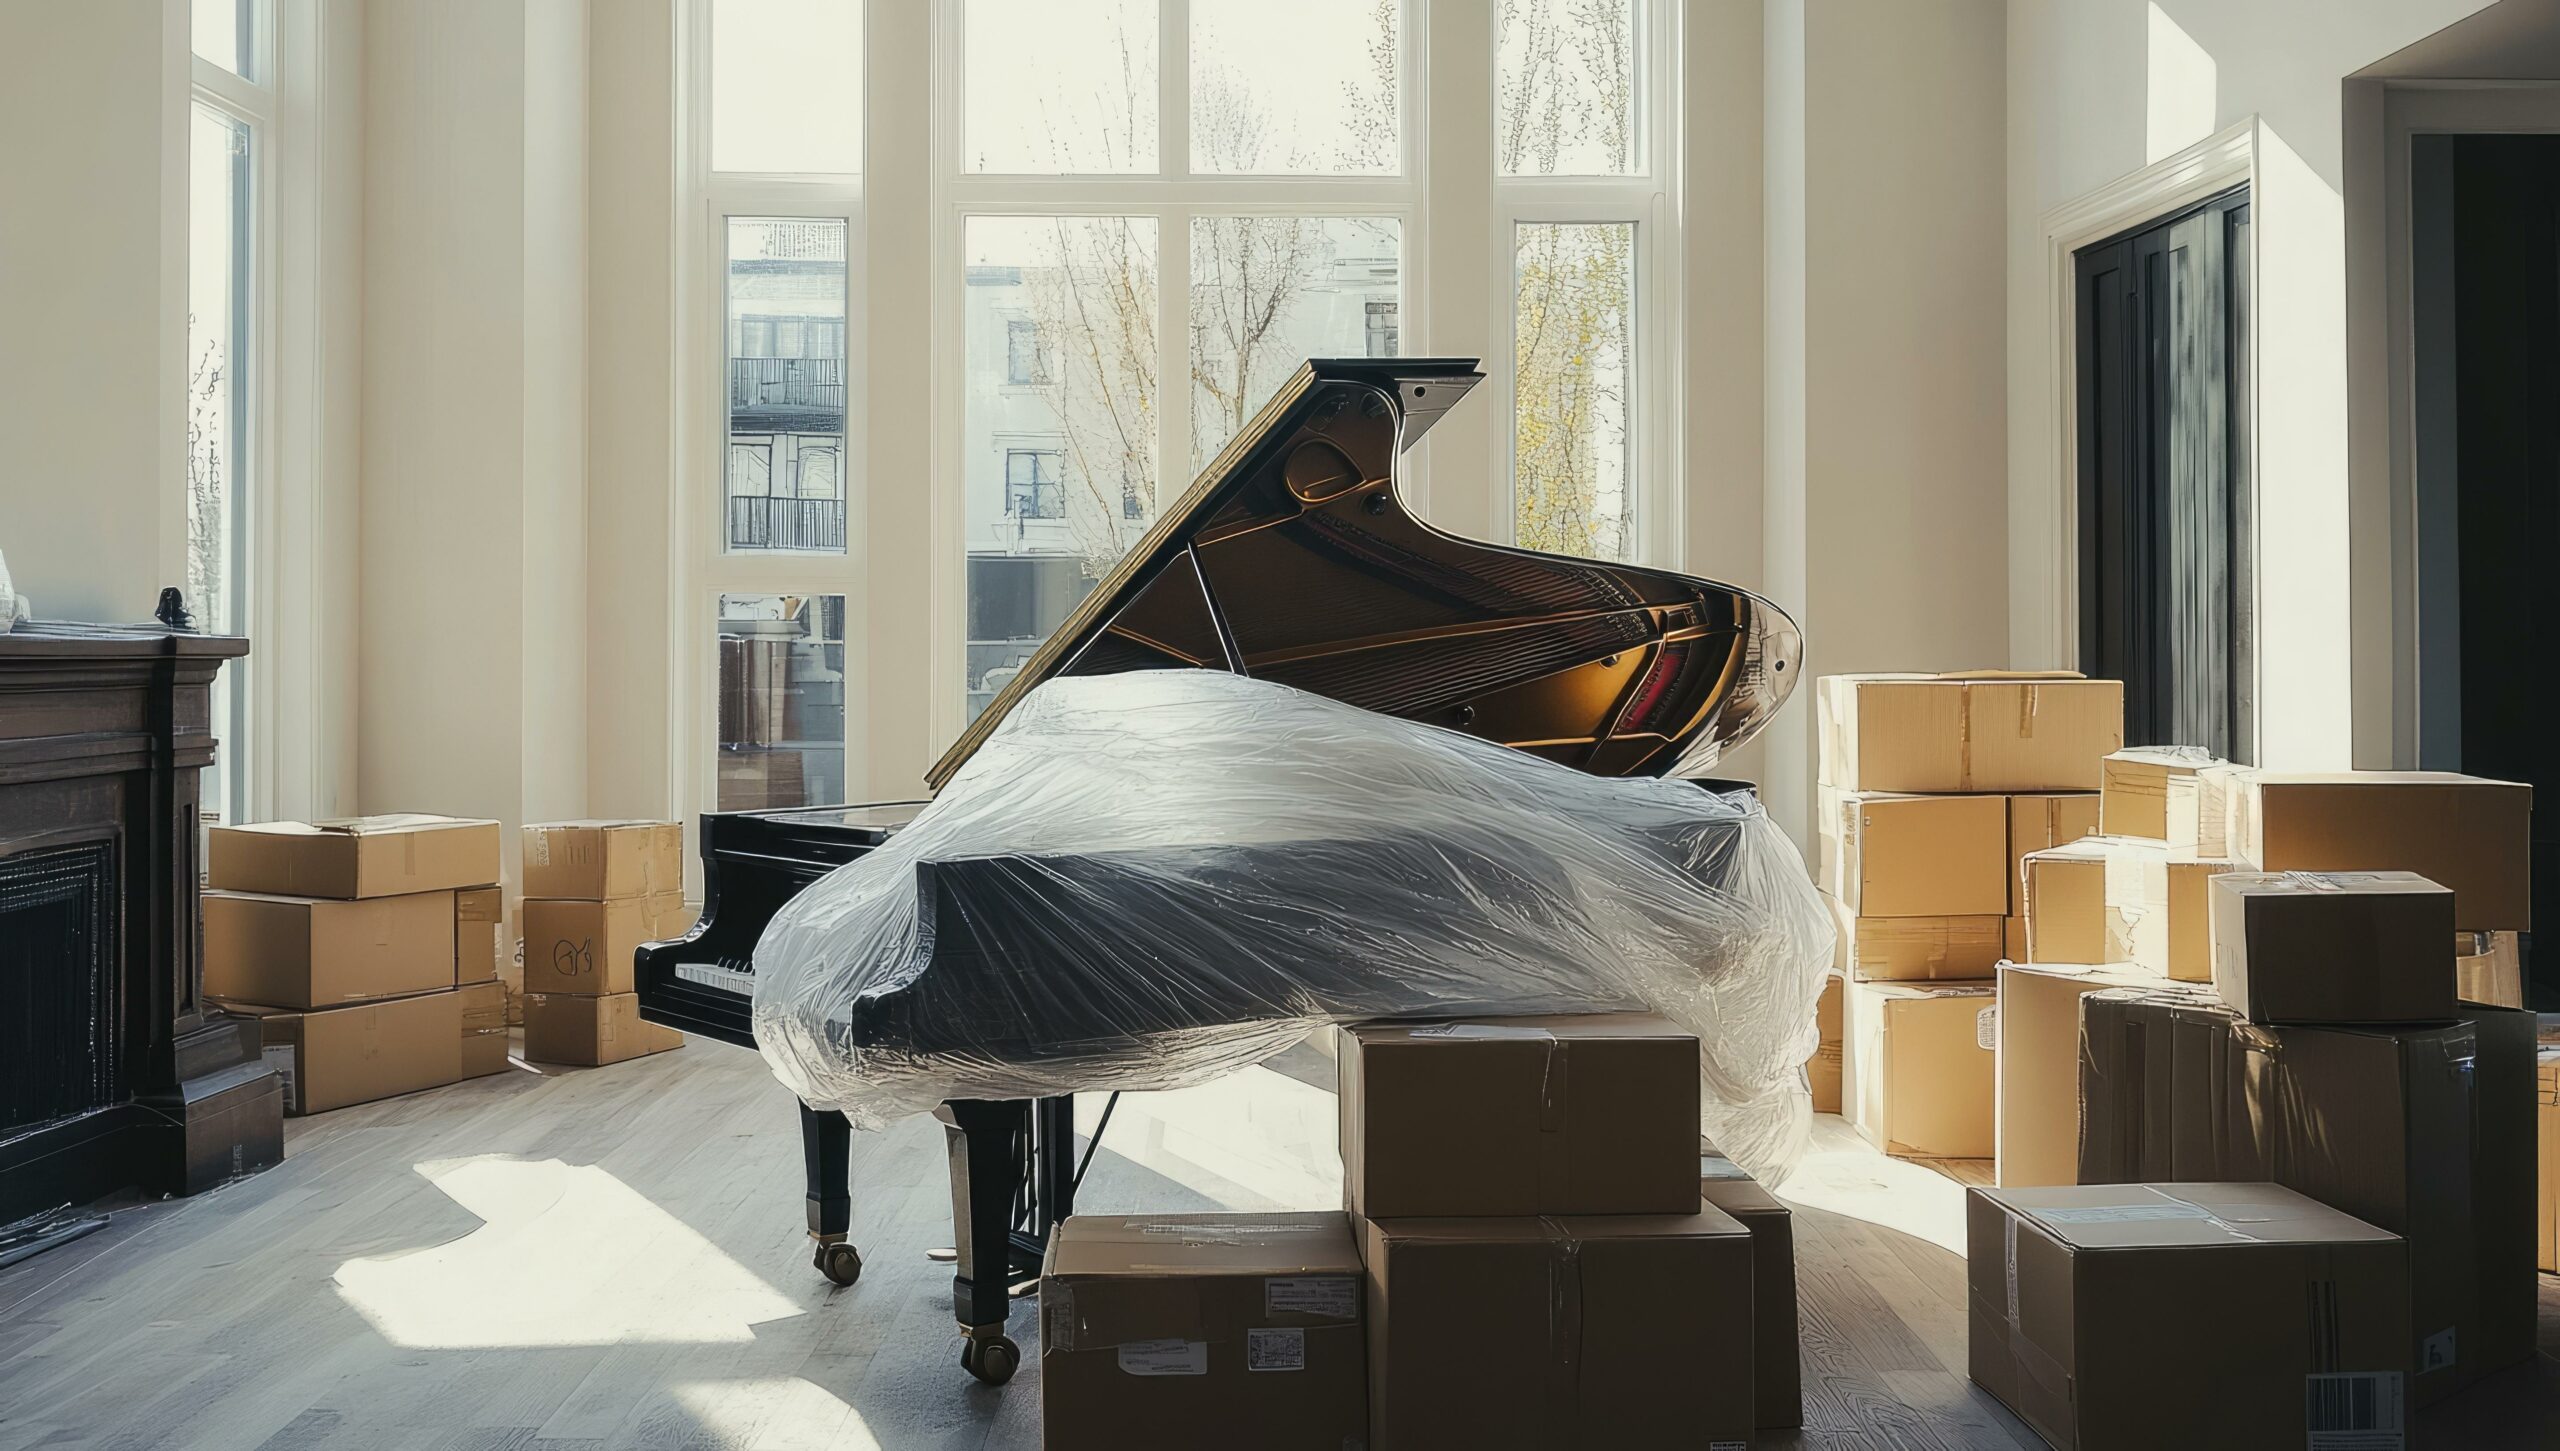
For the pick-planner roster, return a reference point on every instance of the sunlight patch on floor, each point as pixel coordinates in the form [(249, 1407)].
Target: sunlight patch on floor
[(773, 1413), (566, 1254), (1257, 1131), (1846, 1176)]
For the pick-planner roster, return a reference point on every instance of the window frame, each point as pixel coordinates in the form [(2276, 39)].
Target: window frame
[(707, 567), (247, 751)]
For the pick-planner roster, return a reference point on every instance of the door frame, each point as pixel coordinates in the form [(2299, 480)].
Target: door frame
[(2045, 515)]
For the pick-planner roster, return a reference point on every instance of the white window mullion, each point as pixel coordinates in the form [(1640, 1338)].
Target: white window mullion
[(1173, 351)]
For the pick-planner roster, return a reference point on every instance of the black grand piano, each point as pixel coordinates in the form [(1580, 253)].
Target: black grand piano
[(1290, 559)]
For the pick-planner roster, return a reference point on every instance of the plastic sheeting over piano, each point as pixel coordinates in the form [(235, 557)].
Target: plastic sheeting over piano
[(1144, 881)]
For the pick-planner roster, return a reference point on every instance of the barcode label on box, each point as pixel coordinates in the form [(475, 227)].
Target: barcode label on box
[(2353, 1411), (280, 1058), (1275, 1350), (1335, 1297), (1165, 1357)]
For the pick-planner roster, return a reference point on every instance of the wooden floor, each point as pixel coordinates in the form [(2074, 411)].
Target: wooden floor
[(614, 1258)]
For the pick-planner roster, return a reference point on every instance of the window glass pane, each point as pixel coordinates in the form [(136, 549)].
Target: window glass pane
[(1060, 472), (1565, 88), (218, 255), (225, 33), (1268, 293), (785, 484), (781, 701), (1059, 86), (1304, 87), (786, 85), (1574, 360)]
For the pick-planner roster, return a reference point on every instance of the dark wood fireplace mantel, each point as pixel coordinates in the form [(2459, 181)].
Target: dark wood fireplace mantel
[(114, 1072)]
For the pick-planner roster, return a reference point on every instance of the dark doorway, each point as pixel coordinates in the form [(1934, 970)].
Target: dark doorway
[(2163, 428), (2485, 304)]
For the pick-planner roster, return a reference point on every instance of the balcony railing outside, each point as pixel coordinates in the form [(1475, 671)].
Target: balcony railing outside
[(760, 521), (786, 383)]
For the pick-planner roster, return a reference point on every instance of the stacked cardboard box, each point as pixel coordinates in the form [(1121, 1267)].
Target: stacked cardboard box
[(1934, 789), (595, 891), (1522, 1192), (360, 947)]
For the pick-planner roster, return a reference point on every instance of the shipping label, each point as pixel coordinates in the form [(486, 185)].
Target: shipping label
[(1275, 1350), (2353, 1411), (1165, 1357)]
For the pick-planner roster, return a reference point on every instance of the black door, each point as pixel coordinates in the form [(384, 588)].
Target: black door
[(2163, 429), (2485, 293)]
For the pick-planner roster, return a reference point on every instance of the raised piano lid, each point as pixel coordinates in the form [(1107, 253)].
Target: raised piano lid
[(1292, 558)]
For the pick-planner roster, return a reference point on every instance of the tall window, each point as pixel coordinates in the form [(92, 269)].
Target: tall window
[(775, 564), (1168, 205), (1582, 195), (234, 107)]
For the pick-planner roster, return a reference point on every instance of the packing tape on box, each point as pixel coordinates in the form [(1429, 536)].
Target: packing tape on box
[(1564, 1334)]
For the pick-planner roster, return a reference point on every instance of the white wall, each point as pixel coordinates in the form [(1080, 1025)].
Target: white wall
[(473, 560), (2100, 88), (93, 213)]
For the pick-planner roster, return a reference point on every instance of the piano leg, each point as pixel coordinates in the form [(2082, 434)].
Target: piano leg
[(826, 1151), (987, 1143)]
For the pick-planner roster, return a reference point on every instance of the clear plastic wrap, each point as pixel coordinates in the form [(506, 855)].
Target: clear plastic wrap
[(1147, 880)]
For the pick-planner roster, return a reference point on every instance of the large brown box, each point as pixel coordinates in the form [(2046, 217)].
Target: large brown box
[(2157, 908), (589, 1031), (1777, 1388), (2065, 894), (2375, 1121), (1499, 1333), (1822, 1070), (2043, 820), (1202, 1329), (479, 928), (2467, 834), (1967, 732), (1916, 949), (1919, 1080), (586, 947), (2488, 968), (2037, 1127), (2151, 792), (334, 1057), (484, 1028), (2134, 1317), (2333, 947), (362, 856), (1918, 856), (294, 952), (1593, 1114), (600, 861)]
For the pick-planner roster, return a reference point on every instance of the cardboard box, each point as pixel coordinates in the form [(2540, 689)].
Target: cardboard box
[(585, 947), (1593, 1114), (2066, 900), (2461, 832), (2013, 939), (1920, 856), (2038, 823), (1919, 1076), (1777, 1390), (2158, 915), (1559, 1331), (2332, 947), (2036, 1129), (1978, 731), (669, 918), (333, 1057), (600, 861), (362, 856), (590, 1031), (479, 933), (2488, 968), (2143, 1316), (2215, 785), (296, 952), (2375, 1121), (1916, 949), (484, 1028), (2546, 1094), (1209, 1329), (1822, 1070), (2151, 792)]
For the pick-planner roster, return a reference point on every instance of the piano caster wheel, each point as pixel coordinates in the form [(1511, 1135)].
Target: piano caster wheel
[(992, 1360), (839, 1262)]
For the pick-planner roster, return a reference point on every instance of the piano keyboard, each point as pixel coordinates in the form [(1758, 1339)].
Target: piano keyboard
[(727, 979)]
